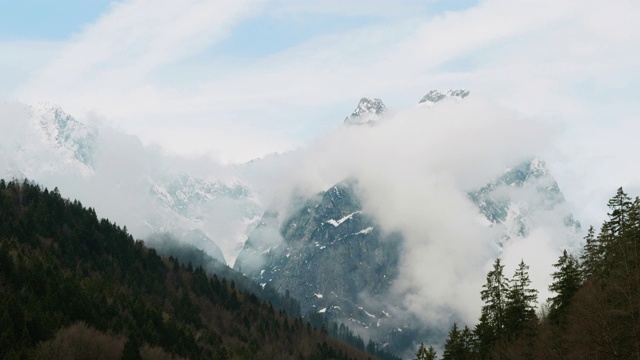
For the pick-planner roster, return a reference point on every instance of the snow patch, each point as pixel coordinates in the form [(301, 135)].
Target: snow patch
[(365, 231), (365, 311), (337, 223)]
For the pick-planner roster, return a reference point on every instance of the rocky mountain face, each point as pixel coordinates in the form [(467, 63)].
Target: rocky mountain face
[(65, 133), (367, 112), (331, 255), (513, 200), (325, 254), (434, 96)]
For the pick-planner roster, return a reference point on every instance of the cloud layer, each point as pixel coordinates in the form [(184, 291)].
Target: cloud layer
[(415, 169)]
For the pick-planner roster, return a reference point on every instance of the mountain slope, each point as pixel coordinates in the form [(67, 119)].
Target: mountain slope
[(328, 237), (62, 268), (367, 112), (435, 96), (515, 199), (333, 256), (132, 183)]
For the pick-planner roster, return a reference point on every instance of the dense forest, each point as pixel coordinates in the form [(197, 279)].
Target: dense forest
[(73, 286), (594, 313), (190, 256)]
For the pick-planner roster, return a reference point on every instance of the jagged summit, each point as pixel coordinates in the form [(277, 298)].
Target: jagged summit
[(367, 112), (434, 96), (64, 131)]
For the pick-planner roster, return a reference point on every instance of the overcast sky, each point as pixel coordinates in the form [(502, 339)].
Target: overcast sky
[(236, 80)]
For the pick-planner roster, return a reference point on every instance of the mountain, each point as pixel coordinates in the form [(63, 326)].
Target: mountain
[(308, 253), (367, 112), (65, 133), (513, 200), (308, 249), (329, 236), (435, 96), (73, 286), (134, 184), (201, 209)]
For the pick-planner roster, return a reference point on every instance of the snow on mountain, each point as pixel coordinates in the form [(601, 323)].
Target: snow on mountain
[(518, 200), (330, 245), (435, 96), (309, 253), (64, 132), (367, 112), (124, 180)]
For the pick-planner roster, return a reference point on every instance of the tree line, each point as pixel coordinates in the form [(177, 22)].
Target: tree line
[(594, 312), (73, 286)]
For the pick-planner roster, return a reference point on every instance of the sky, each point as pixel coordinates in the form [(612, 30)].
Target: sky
[(213, 83), (236, 80)]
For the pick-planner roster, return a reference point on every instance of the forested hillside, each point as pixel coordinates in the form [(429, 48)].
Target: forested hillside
[(594, 313), (74, 286)]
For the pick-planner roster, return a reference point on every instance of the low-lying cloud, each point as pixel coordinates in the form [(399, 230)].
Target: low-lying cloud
[(415, 169), (121, 177)]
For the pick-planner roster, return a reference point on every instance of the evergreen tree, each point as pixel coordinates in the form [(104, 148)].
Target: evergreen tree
[(494, 293), (521, 300), (426, 353), (453, 347), (469, 346), (592, 255), (566, 282), (431, 353), (620, 206), (131, 349)]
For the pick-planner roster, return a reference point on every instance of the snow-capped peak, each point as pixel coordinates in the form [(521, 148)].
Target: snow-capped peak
[(64, 131), (434, 96), (537, 167), (368, 111)]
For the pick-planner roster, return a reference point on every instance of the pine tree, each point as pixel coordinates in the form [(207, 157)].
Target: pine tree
[(453, 347), (431, 353), (131, 349), (566, 282), (494, 296), (521, 300), (633, 233), (619, 238), (426, 353), (469, 345), (592, 255), (620, 206)]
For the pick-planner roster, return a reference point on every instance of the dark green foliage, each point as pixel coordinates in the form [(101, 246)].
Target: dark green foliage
[(591, 258), (343, 333), (521, 301), (460, 344), (453, 347), (60, 266), (131, 349), (492, 320), (566, 282), (425, 353), (595, 310), (185, 254)]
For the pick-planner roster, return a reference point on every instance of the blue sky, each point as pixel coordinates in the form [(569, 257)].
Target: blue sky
[(47, 19)]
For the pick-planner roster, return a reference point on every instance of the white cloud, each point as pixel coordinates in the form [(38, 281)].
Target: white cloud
[(20, 59), (533, 56), (571, 62), (415, 169)]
